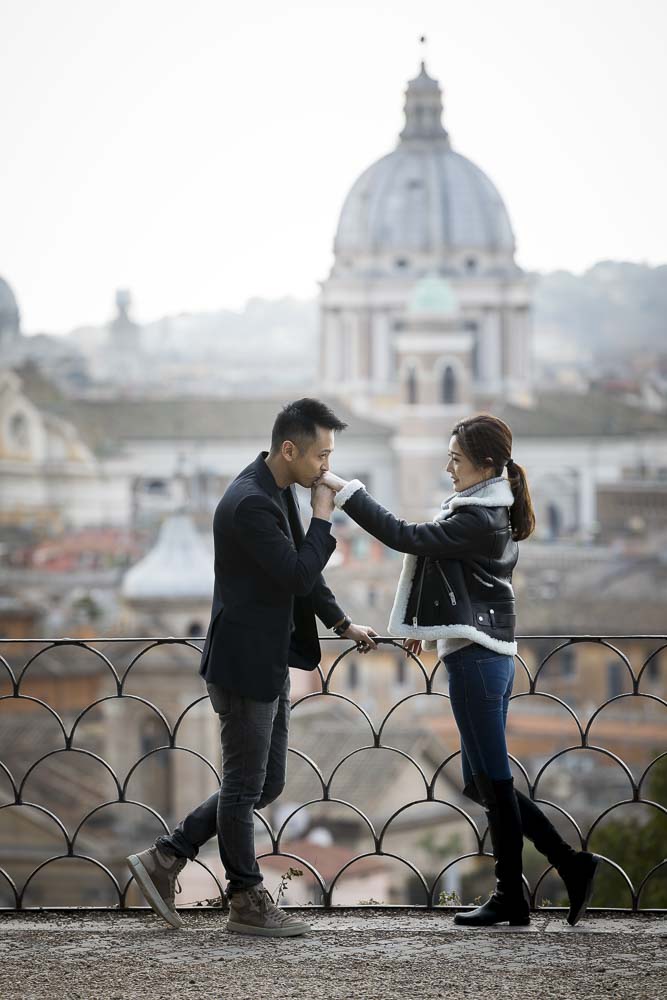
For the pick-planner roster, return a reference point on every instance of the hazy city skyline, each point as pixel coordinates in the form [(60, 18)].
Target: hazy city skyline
[(201, 157)]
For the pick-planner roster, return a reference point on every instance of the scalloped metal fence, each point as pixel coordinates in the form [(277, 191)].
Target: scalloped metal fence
[(15, 678)]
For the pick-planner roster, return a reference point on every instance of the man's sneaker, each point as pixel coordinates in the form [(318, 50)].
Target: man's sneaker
[(253, 911), (156, 874)]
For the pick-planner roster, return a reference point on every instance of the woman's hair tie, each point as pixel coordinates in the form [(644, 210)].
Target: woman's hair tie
[(510, 461)]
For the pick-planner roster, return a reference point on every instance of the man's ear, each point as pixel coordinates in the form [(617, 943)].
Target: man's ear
[(289, 451)]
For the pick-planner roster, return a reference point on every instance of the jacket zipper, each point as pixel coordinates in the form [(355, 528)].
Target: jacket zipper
[(452, 595), (419, 592)]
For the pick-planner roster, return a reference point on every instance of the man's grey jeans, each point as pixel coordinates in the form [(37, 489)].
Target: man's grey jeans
[(254, 737)]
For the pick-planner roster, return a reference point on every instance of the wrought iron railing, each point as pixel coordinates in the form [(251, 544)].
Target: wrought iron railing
[(23, 658)]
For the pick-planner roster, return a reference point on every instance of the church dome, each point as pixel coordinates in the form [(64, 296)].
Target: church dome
[(423, 197), (178, 568), (9, 310)]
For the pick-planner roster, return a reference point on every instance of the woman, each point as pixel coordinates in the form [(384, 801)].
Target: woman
[(455, 592)]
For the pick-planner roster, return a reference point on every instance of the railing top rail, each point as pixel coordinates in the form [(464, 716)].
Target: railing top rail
[(331, 638)]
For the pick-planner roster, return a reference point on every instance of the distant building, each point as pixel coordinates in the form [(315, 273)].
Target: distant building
[(10, 321), (120, 360), (170, 590), (56, 355), (49, 476)]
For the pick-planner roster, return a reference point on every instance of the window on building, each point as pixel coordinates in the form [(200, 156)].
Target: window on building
[(653, 670), (554, 521), (152, 735), (401, 670), (411, 386), (448, 386), (18, 429), (473, 328), (471, 264), (401, 262), (156, 486), (474, 357), (566, 661), (353, 675), (615, 678)]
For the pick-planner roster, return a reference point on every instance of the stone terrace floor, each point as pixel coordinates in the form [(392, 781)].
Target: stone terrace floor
[(348, 956)]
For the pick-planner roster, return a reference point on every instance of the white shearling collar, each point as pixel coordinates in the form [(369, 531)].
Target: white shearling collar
[(494, 495)]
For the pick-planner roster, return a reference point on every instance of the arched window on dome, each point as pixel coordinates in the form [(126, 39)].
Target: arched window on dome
[(411, 386), (448, 386)]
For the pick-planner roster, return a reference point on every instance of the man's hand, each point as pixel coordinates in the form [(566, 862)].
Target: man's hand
[(322, 501), (363, 635), (412, 646), (334, 482)]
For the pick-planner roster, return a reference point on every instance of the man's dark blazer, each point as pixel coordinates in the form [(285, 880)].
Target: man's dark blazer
[(262, 583)]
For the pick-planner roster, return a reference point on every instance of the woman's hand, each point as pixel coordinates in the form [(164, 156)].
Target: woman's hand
[(334, 482), (412, 646), (322, 501)]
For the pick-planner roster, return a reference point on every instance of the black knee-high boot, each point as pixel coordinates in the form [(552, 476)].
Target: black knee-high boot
[(576, 868), (507, 902)]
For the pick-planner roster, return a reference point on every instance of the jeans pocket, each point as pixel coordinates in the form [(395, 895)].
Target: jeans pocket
[(495, 674)]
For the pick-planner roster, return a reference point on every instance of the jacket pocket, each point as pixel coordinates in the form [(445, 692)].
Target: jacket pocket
[(492, 617)]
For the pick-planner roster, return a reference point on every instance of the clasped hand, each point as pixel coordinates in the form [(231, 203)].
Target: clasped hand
[(322, 502), (323, 492)]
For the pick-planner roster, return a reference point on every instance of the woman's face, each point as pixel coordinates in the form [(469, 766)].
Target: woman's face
[(462, 470)]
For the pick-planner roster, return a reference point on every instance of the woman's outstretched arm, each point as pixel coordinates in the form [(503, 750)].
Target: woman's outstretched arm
[(447, 539)]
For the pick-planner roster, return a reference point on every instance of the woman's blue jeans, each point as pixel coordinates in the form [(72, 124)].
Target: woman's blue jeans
[(480, 685)]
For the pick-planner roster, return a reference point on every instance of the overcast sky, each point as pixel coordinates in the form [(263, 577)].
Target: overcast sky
[(199, 151)]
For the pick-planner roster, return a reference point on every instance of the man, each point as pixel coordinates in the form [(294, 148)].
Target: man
[(268, 589)]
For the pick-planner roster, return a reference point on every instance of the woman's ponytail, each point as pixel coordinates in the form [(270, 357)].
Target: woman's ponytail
[(487, 441), (522, 515)]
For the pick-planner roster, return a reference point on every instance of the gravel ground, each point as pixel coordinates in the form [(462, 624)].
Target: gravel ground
[(347, 956)]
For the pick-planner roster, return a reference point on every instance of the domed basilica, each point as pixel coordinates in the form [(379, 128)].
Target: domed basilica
[(425, 305), (425, 316)]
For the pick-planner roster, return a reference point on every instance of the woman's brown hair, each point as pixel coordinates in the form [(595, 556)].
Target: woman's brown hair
[(487, 441)]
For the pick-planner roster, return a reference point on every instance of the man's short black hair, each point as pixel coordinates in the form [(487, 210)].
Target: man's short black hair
[(299, 421)]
